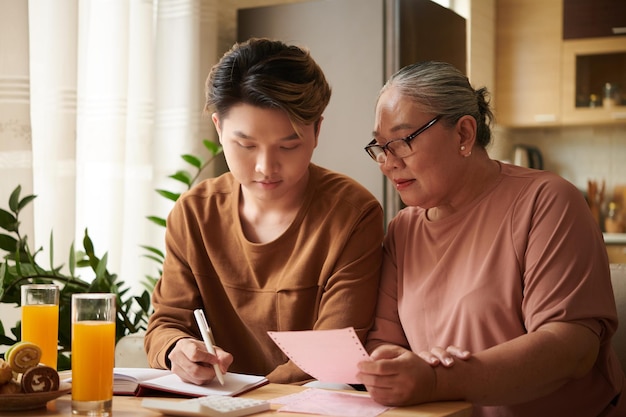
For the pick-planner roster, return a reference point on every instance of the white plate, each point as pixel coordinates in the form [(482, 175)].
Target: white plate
[(18, 402)]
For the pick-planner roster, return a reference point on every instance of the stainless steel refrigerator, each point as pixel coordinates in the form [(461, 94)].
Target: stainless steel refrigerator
[(359, 44)]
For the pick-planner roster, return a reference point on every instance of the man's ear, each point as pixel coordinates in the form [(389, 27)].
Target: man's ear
[(218, 126), (317, 128)]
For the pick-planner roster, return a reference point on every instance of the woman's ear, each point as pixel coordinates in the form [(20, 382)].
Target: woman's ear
[(466, 128), (218, 126)]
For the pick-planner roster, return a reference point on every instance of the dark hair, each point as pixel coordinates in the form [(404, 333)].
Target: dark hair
[(446, 91), (269, 74)]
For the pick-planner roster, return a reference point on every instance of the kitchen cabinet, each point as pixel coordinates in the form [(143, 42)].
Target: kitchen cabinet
[(588, 64), (591, 19), (617, 253), (528, 62), (544, 80)]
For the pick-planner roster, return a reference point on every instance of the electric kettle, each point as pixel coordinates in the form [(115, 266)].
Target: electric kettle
[(527, 156)]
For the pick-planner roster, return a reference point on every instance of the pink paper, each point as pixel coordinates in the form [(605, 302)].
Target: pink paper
[(326, 355), (330, 403)]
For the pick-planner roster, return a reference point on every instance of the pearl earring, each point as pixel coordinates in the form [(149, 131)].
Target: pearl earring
[(462, 147)]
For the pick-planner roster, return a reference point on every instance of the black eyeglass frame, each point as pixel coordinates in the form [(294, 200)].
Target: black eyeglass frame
[(385, 148)]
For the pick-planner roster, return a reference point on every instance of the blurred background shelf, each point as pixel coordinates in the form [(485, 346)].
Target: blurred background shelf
[(616, 247)]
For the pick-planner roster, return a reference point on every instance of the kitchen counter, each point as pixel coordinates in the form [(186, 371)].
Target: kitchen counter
[(615, 238), (616, 247)]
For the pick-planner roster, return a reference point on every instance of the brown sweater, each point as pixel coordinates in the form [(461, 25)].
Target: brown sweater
[(322, 273)]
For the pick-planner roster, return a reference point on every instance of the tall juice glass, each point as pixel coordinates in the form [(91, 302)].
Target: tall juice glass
[(40, 319), (93, 347)]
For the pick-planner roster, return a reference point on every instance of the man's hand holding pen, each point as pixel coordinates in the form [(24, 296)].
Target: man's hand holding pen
[(207, 337), (193, 363)]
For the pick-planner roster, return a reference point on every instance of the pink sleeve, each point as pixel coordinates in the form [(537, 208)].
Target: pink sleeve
[(387, 326), (566, 271)]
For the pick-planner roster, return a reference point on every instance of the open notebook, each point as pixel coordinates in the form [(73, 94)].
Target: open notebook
[(147, 381)]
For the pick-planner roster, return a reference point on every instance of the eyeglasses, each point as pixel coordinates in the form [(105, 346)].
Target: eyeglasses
[(400, 148)]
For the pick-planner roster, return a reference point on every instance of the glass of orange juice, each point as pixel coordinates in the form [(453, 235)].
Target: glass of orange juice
[(93, 347), (40, 319)]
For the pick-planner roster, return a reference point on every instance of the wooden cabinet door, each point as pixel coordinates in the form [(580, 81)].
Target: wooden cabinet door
[(592, 19), (610, 53), (528, 62)]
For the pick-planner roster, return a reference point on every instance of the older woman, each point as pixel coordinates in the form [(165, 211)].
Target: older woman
[(498, 260)]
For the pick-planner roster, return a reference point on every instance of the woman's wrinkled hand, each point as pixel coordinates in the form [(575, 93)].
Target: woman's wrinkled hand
[(396, 376), (446, 357), (191, 361)]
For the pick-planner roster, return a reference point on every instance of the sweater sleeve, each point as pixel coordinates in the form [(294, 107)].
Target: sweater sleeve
[(349, 293), (175, 296)]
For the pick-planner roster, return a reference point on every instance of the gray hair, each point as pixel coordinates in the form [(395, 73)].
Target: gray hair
[(446, 91)]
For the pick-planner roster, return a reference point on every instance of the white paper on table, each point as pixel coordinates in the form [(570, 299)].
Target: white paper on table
[(326, 355)]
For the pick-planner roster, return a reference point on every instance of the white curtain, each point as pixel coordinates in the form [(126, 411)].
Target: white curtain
[(116, 96)]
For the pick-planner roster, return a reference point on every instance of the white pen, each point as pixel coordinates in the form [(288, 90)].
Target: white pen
[(207, 336)]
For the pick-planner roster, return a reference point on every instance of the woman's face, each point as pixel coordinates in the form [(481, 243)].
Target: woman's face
[(264, 152), (427, 177)]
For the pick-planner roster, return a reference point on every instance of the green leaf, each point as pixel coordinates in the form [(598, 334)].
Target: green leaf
[(150, 282), (88, 244), (192, 160), (14, 199), (213, 147), (83, 263), (182, 176), (64, 362), (51, 250), (168, 194), (122, 291), (8, 221), (8, 243), (3, 272), (5, 340), (24, 201), (154, 250), (72, 263), (17, 330), (144, 301), (157, 220), (154, 258), (102, 265)]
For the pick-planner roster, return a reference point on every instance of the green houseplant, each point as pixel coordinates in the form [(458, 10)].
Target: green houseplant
[(197, 167), (21, 265)]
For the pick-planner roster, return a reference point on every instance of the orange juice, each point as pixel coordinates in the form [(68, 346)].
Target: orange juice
[(93, 346), (40, 325)]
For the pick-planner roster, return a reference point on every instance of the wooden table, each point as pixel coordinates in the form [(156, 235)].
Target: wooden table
[(131, 406)]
